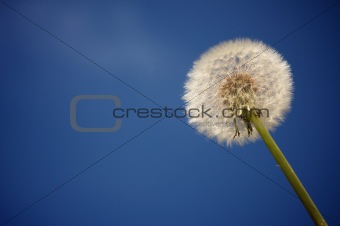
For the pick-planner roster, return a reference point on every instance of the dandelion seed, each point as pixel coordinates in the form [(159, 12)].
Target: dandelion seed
[(236, 75)]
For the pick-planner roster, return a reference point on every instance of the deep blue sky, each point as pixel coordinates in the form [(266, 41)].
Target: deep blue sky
[(169, 175)]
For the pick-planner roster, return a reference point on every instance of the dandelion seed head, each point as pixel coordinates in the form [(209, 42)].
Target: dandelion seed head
[(238, 74)]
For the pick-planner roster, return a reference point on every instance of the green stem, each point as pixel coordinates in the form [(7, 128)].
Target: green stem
[(287, 170)]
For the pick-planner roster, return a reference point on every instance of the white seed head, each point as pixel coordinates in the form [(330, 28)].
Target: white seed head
[(235, 75)]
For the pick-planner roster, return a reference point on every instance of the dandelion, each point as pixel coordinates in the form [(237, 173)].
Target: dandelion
[(236, 81), (235, 75)]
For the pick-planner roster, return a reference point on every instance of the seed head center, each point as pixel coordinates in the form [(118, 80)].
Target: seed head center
[(238, 91)]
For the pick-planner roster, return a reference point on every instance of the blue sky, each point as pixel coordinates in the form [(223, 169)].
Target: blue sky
[(166, 174)]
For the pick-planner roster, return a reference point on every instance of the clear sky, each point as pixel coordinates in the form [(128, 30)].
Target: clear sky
[(152, 172)]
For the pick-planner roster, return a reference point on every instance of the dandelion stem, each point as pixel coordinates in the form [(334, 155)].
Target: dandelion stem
[(287, 170)]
